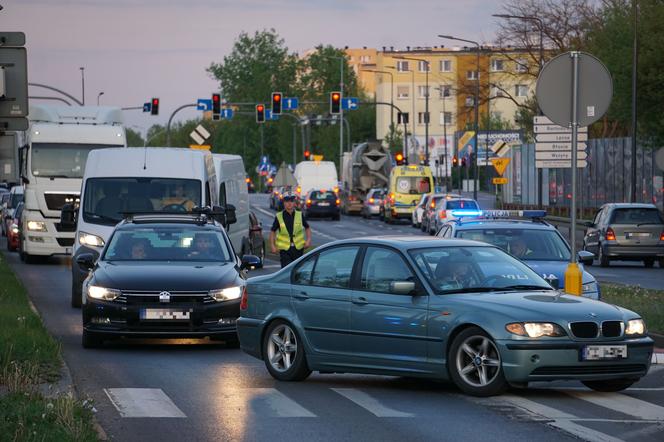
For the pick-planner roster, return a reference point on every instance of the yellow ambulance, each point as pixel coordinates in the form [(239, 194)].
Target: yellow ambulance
[(406, 186)]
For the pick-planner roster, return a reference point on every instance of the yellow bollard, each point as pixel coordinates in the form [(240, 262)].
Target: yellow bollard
[(573, 279)]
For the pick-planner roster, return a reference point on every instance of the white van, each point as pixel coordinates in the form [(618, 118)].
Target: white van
[(233, 190), (118, 181), (316, 175)]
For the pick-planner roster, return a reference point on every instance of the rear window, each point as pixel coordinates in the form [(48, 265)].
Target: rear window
[(462, 204), (636, 215), (378, 194), (323, 195), (413, 185)]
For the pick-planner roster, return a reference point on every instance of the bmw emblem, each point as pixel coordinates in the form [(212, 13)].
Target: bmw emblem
[(164, 297), (592, 315)]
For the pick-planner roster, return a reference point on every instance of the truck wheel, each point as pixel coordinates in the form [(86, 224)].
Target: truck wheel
[(649, 263)]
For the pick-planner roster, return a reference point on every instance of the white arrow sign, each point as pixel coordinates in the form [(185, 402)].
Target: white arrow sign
[(543, 147), (561, 155), (200, 134), (557, 137), (558, 164)]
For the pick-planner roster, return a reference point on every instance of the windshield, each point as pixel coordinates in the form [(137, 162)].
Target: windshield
[(413, 185), (61, 160), (636, 216), (525, 244), (475, 269), (106, 199), (15, 199), (167, 243)]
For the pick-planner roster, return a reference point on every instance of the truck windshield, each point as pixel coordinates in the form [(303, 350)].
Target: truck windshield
[(61, 160), (413, 185), (106, 199)]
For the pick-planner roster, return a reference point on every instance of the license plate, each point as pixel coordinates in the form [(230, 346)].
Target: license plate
[(164, 314), (603, 352), (324, 204), (638, 235)]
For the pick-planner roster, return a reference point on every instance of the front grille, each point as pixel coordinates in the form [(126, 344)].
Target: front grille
[(589, 370), (55, 201), (611, 329), (65, 242), (152, 297), (60, 228), (584, 330)]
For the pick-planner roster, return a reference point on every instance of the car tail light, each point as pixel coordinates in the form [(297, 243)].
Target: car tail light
[(610, 234), (433, 205), (371, 201), (442, 214), (661, 236), (299, 189), (335, 190), (338, 201), (244, 301), (308, 203)]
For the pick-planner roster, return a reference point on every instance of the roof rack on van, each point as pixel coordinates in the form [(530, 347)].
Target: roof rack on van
[(196, 215)]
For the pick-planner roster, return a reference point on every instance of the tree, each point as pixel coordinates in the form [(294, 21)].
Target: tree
[(134, 138), (394, 138)]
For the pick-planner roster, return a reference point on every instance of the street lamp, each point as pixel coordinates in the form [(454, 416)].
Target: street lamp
[(412, 124), (391, 89), (342, 60), (82, 85), (426, 105), (476, 103), (98, 96)]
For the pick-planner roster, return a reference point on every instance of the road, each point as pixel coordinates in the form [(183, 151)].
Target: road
[(196, 390)]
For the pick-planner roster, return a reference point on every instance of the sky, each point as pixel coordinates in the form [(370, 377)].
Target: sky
[(133, 50)]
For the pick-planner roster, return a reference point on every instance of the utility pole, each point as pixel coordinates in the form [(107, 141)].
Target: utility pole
[(82, 85), (635, 63)]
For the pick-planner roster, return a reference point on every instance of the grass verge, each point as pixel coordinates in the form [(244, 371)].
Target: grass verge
[(29, 357), (646, 302)]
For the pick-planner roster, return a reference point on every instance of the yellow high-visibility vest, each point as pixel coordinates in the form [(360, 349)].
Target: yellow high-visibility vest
[(283, 239)]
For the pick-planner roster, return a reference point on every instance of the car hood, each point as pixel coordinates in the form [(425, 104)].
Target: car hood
[(556, 268), (537, 306), (170, 276)]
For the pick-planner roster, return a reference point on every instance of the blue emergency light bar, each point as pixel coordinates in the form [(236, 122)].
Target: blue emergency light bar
[(467, 212), (514, 213)]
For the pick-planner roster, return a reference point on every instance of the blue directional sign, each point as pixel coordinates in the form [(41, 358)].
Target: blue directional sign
[(204, 104), (269, 116), (147, 107), (291, 103), (227, 113), (350, 103)]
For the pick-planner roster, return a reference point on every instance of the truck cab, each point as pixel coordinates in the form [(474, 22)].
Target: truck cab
[(53, 159)]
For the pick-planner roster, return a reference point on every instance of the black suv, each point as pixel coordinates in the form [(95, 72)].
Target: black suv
[(164, 276)]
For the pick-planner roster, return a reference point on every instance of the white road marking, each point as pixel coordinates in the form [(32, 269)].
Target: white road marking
[(142, 402), (559, 419), (622, 404), (369, 403), (264, 402)]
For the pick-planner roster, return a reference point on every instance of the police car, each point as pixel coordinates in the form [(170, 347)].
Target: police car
[(528, 237)]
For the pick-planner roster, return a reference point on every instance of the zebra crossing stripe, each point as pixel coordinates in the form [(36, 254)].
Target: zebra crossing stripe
[(621, 403), (142, 402), (370, 404)]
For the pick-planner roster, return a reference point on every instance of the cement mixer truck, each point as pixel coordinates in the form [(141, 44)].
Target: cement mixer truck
[(366, 167)]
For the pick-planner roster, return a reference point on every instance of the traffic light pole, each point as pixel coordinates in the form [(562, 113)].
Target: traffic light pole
[(405, 125), (168, 126)]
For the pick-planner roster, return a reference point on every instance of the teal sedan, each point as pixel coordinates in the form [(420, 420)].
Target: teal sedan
[(455, 309)]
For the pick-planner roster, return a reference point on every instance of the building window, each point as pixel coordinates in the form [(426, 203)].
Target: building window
[(402, 118), (521, 90), (471, 75), (521, 65), (422, 91), (497, 91), (402, 66), (445, 65), (423, 66), (445, 90), (445, 118), (403, 92), (497, 65), (422, 117), (470, 101), (364, 59)]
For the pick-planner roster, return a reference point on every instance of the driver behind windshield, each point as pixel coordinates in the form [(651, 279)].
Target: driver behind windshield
[(178, 198), (455, 273), (519, 248)]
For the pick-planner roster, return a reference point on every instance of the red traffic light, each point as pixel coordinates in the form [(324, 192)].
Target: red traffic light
[(154, 109), (260, 113), (307, 154), (276, 103), (216, 97), (260, 108), (335, 102), (277, 97)]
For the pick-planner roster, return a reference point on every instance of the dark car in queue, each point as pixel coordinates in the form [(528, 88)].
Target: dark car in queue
[(321, 204), (416, 306), (626, 231), (255, 242), (14, 229), (163, 276), (372, 202)]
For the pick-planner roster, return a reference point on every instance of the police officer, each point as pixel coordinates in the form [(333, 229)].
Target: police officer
[(288, 232)]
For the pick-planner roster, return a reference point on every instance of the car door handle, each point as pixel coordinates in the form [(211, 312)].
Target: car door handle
[(302, 295), (360, 301)]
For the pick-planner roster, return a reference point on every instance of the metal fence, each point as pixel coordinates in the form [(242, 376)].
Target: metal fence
[(607, 178)]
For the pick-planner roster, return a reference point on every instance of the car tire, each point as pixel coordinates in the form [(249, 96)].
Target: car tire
[(649, 263), (284, 361), (91, 340), (609, 385), (603, 259), (76, 296), (475, 376), (28, 259)]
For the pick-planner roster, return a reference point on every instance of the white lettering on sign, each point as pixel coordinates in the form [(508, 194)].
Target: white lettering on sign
[(590, 111)]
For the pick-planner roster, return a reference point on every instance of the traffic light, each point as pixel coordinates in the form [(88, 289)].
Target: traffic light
[(260, 113), (307, 154), (216, 104), (335, 102), (154, 109), (455, 161), (400, 159), (276, 103)]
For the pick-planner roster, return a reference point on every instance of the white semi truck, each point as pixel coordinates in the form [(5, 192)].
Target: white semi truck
[(55, 149)]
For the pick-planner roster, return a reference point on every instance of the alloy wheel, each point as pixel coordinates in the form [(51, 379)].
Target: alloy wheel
[(478, 361), (282, 348)]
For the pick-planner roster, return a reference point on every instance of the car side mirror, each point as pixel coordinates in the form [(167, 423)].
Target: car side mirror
[(86, 261), (251, 262), (402, 287), (230, 214), (586, 257), (68, 217)]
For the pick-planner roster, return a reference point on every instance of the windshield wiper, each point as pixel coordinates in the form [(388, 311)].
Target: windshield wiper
[(55, 176), (103, 217), (471, 290), (525, 287)]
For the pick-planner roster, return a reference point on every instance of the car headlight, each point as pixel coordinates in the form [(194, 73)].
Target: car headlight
[(102, 293), (226, 294), (590, 287), (635, 327), (88, 239), (36, 226), (535, 329)]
